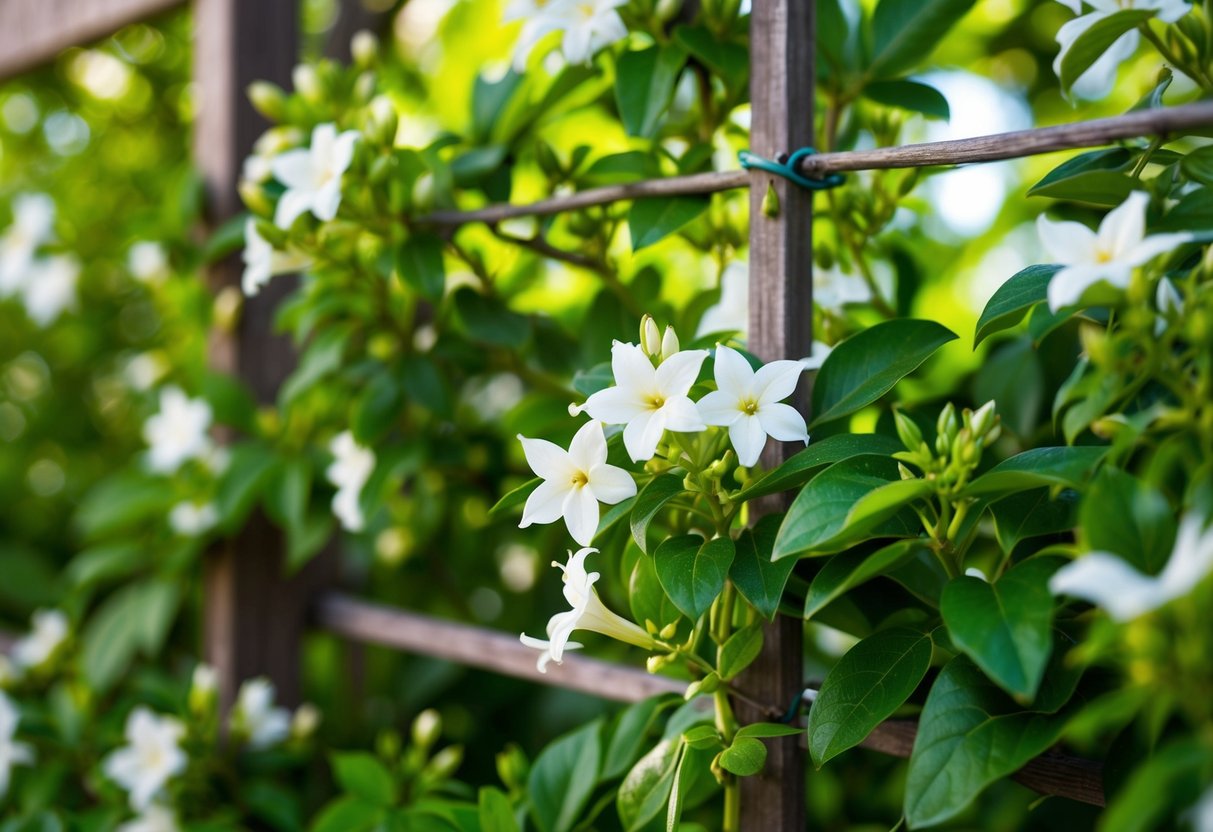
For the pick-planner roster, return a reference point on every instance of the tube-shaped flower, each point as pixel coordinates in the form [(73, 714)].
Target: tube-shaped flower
[(151, 757), (574, 482), (312, 175), (12, 753), (648, 400), (1108, 581), (747, 403), (587, 613), (1109, 255)]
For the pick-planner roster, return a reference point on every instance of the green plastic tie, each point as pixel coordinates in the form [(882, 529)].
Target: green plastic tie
[(787, 167)]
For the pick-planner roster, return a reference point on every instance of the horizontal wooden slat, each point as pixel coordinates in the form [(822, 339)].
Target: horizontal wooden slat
[(32, 32)]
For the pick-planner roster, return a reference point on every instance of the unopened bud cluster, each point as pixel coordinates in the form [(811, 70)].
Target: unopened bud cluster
[(957, 449)]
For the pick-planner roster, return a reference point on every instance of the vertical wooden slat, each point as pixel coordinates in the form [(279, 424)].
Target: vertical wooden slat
[(254, 618), (780, 326)]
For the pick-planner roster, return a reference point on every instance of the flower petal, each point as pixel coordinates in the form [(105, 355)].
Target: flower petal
[(748, 439), (546, 503), (547, 460), (1124, 227), (1067, 286), (642, 434), (291, 205), (681, 415), (581, 514), (777, 380), (783, 422), (1154, 245), (733, 373), (1066, 242), (719, 408), (588, 447), (293, 168), (677, 374), (611, 484), (631, 367), (1109, 582), (327, 200), (615, 405)]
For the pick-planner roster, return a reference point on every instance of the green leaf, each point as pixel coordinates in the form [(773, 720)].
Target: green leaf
[(424, 385), (737, 653), (906, 32), (135, 619), (599, 377), (653, 219), (865, 687), (247, 473), (419, 264), (323, 356), (96, 565), (970, 734), (563, 778), (659, 491), (1005, 626), (489, 101), (799, 468), (909, 95), (1102, 188), (692, 571), (1013, 299), (347, 814), (820, 516), (678, 790), (489, 321), (631, 735), (1174, 776), (646, 789), (377, 409), (866, 366), (1108, 159), (703, 737), (646, 598), (1012, 376), (1193, 213), (1125, 516), (759, 579), (121, 502), (362, 775), (1033, 514), (644, 84), (846, 571), (745, 757), (1198, 165), (729, 60), (1068, 466), (514, 498), (495, 812), (768, 729), (1092, 43)]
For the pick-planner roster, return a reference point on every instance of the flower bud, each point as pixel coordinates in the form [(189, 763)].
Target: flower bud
[(907, 431), (669, 343), (254, 197), (381, 129), (655, 664), (268, 99), (204, 687), (650, 336), (708, 684), (305, 721), (364, 48), (445, 762), (984, 418), (307, 82), (423, 192), (427, 727), (770, 202), (227, 306), (946, 426), (668, 631), (364, 87), (513, 768)]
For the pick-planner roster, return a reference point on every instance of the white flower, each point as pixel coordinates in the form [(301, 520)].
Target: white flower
[(205, 680), (649, 401), (1108, 581), (147, 262), (587, 613), (255, 716), (1200, 815), (178, 432), (190, 519), (142, 371), (155, 818), (313, 175), (262, 261), (1100, 77), (1169, 303), (1108, 255), (305, 721), (50, 288), (833, 289), (49, 629), (351, 468), (151, 757), (818, 353), (574, 482), (747, 403), (588, 26), (33, 222), (12, 753)]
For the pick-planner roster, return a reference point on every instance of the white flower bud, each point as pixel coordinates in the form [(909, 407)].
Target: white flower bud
[(427, 727), (307, 82), (203, 689), (445, 762), (669, 343), (305, 721), (364, 47), (650, 336)]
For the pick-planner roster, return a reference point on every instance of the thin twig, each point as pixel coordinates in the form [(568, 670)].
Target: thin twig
[(957, 151)]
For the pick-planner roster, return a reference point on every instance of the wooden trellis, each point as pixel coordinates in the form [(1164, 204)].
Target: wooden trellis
[(255, 618)]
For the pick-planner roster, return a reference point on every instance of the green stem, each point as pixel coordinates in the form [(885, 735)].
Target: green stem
[(732, 805)]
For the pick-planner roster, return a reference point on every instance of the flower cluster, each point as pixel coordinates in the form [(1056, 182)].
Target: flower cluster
[(45, 283), (586, 26)]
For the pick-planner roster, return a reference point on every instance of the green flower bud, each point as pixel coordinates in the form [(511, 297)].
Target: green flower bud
[(445, 762), (513, 768), (668, 631), (307, 83), (907, 430), (364, 87), (655, 664), (946, 426), (427, 728), (984, 419), (708, 684), (305, 721), (364, 48), (255, 198), (423, 192), (268, 99), (383, 122), (770, 202)]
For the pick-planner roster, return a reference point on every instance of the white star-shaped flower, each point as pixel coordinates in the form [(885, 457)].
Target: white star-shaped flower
[(587, 613), (574, 482), (262, 261), (1108, 581), (151, 757), (155, 818), (178, 432), (148, 262), (48, 630), (312, 175), (352, 467), (648, 400), (190, 519), (589, 25), (12, 753), (50, 288), (255, 716), (32, 226), (833, 289), (1100, 77), (1109, 254), (748, 403)]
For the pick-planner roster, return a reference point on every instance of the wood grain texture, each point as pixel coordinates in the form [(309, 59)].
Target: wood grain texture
[(33, 32), (782, 69)]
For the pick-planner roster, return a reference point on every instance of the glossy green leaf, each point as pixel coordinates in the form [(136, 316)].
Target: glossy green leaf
[(745, 757), (494, 811), (347, 814), (1108, 159), (1198, 165), (645, 790), (644, 85), (323, 357), (1128, 517), (865, 687), (969, 735), (134, 620), (693, 571), (631, 735), (489, 321), (420, 265), (243, 480), (799, 468), (377, 408), (820, 516), (653, 219), (906, 32), (514, 498), (364, 776), (1101, 188), (768, 729), (728, 59), (650, 500), (866, 366), (1004, 626), (121, 502), (909, 95), (1033, 514), (1067, 466), (759, 579), (646, 597), (1095, 40), (736, 654), (563, 778), (1012, 300), (846, 571), (1176, 775), (678, 793)]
